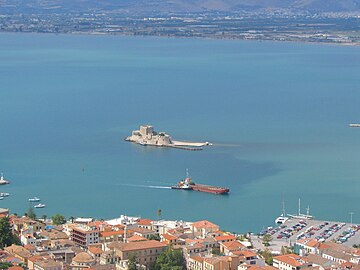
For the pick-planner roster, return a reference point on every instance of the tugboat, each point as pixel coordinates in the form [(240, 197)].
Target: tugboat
[(188, 184), (184, 184), (3, 181)]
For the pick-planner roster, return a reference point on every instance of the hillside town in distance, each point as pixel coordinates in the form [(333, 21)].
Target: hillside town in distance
[(275, 25), (138, 243)]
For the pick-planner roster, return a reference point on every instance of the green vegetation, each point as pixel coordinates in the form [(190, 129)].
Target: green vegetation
[(266, 254), (58, 219), (215, 251), (159, 213), (356, 246), (286, 250), (31, 213), (170, 259), (6, 236), (132, 262), (5, 265), (154, 237), (266, 240)]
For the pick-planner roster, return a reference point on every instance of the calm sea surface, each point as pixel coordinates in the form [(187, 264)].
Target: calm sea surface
[(277, 113)]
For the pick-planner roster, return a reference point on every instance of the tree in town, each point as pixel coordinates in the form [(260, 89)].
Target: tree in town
[(58, 219), (286, 250), (266, 240), (154, 237), (43, 217), (5, 265), (159, 213), (31, 213), (266, 254), (6, 236), (132, 262), (71, 219), (170, 259)]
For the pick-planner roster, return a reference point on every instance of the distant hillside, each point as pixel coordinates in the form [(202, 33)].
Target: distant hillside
[(175, 5)]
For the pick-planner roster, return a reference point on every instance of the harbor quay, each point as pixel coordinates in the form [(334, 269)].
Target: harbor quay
[(131, 242)]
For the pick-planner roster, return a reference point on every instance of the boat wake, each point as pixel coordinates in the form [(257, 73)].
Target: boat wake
[(145, 186), (226, 145)]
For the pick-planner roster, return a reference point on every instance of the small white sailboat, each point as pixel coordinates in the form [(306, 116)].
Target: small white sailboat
[(4, 194)]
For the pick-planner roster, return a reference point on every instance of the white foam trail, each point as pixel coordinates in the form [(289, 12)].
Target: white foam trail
[(145, 186)]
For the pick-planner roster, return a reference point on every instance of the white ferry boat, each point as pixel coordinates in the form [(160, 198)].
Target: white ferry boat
[(40, 205), (35, 199)]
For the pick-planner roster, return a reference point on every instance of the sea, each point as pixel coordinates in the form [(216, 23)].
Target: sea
[(277, 114)]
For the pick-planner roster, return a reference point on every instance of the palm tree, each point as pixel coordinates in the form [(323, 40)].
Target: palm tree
[(159, 213)]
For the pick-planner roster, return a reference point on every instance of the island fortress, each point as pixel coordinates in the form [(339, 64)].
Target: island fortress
[(147, 136)]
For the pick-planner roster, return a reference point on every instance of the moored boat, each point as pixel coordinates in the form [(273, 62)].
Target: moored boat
[(34, 199), (282, 218), (300, 215)]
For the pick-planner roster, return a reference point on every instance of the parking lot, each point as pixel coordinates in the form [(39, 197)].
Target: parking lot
[(295, 229)]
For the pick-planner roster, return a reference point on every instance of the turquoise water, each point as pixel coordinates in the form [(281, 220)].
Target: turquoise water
[(277, 114)]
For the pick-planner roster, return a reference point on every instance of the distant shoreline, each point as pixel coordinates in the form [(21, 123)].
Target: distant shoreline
[(352, 44)]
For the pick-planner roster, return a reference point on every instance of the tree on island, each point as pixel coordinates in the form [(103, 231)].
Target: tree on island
[(58, 219), (31, 213), (6, 236), (170, 259)]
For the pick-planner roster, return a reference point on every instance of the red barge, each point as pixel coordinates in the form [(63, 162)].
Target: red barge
[(188, 184)]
